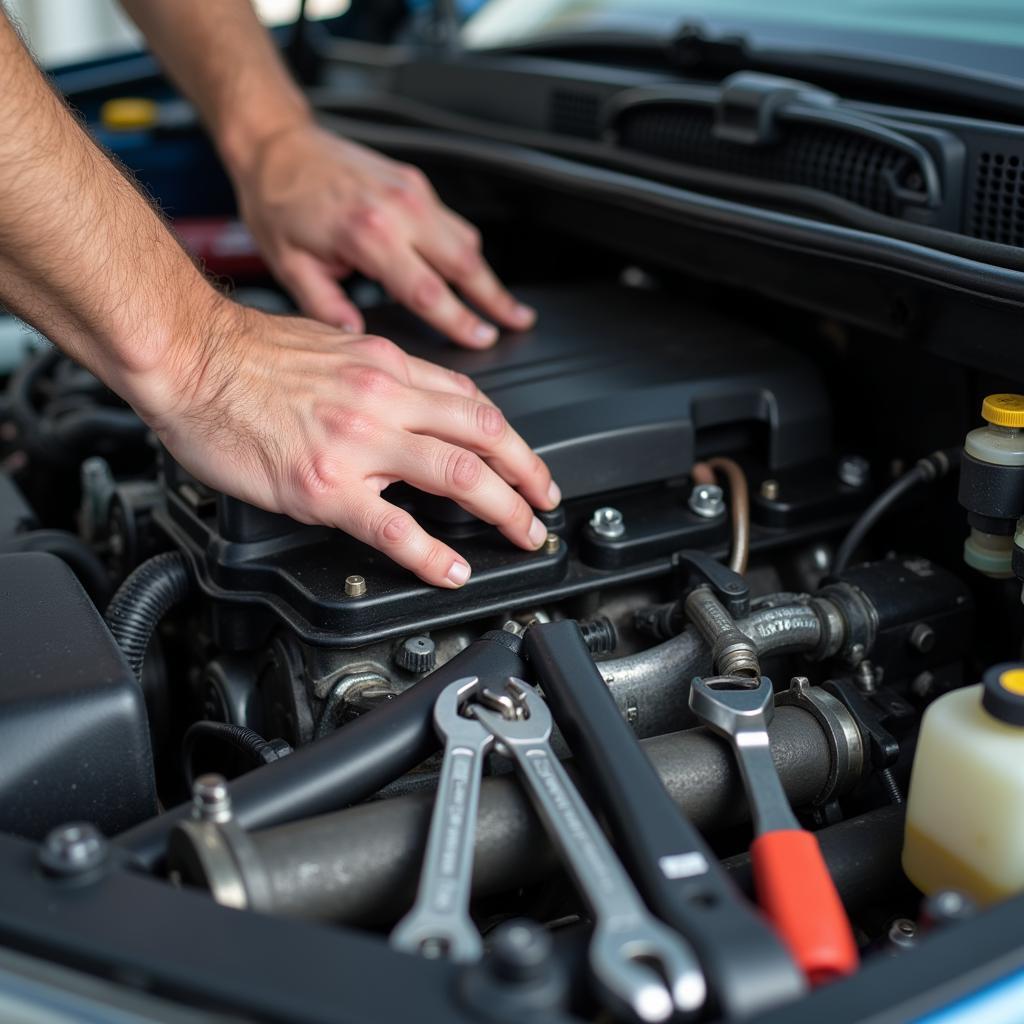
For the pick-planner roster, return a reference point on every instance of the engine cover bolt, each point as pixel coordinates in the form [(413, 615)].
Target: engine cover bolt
[(854, 470), (211, 800), (903, 933), (552, 543), (922, 638), (355, 586), (608, 522), (770, 490), (417, 654), (73, 849), (707, 501)]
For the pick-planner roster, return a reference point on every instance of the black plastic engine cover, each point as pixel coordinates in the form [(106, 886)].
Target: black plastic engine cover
[(73, 731), (619, 389)]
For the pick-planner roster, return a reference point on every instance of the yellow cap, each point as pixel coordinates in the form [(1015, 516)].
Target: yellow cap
[(1004, 410), (129, 112), (1013, 680)]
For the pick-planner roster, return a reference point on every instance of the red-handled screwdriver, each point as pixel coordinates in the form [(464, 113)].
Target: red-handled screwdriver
[(793, 883)]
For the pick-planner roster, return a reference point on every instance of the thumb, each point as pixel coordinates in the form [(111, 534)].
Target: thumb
[(317, 293)]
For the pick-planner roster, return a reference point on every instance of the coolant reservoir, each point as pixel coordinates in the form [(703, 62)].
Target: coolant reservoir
[(965, 811)]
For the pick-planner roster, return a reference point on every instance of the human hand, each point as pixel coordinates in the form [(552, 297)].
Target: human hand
[(320, 207), (297, 417)]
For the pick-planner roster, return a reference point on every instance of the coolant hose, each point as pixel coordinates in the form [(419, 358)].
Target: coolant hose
[(142, 600), (649, 686)]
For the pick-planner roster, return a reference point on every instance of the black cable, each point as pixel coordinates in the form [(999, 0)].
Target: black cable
[(931, 467), (142, 600), (239, 739)]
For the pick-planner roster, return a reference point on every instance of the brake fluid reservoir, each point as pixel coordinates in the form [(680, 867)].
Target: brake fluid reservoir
[(965, 810)]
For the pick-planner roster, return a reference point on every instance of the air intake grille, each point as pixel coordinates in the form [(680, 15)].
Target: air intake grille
[(574, 113), (828, 159), (996, 212)]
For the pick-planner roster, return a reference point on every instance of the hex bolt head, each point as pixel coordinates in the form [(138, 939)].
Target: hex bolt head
[(520, 950), (770, 490), (607, 522), (854, 470), (707, 501), (73, 849), (922, 638), (355, 586), (211, 800)]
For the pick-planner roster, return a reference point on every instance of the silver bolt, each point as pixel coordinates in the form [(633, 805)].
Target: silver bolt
[(211, 800), (854, 470), (607, 522), (770, 490), (707, 501), (73, 849), (551, 544), (866, 677), (903, 932), (513, 627), (922, 638), (355, 586)]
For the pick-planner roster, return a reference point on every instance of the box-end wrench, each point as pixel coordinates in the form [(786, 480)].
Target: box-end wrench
[(439, 925), (641, 964), (792, 880)]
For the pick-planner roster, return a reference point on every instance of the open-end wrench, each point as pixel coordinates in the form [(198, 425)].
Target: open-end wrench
[(793, 885), (641, 964), (439, 923)]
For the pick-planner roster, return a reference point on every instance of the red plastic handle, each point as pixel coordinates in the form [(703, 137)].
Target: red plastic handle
[(797, 893)]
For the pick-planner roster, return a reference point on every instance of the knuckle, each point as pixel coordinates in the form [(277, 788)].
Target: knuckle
[(463, 382), (462, 470), (371, 221), (413, 178), (490, 422), (392, 529), (472, 239), (372, 382), (346, 424), (467, 261), (315, 477), (378, 348), (436, 559)]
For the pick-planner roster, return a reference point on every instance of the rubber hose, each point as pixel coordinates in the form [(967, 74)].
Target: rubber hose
[(142, 600), (247, 742), (931, 467), (83, 561)]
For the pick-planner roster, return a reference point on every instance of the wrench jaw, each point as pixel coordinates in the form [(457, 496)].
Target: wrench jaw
[(424, 936), (516, 715), (641, 970), (733, 705)]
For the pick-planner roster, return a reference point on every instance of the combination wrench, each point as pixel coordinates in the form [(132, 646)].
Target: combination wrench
[(642, 965)]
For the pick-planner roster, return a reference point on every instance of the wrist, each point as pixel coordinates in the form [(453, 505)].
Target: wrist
[(243, 138)]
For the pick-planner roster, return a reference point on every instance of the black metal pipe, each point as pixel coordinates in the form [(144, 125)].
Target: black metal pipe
[(349, 764), (361, 864)]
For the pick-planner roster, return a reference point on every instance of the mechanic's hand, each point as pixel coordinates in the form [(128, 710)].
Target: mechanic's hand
[(320, 206), (299, 418)]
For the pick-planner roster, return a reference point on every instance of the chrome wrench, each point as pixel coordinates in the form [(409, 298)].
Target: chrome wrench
[(439, 925), (642, 965)]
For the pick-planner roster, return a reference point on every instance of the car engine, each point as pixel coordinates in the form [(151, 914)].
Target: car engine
[(659, 768)]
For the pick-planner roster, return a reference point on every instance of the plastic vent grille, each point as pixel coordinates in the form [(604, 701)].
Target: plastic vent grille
[(996, 213), (831, 160), (574, 113)]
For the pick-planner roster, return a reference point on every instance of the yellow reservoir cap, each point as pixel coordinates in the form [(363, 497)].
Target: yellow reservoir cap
[(1013, 680), (133, 112), (1003, 410)]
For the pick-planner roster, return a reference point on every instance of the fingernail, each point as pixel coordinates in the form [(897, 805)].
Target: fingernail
[(554, 494), (485, 334), (524, 315), (538, 532), (458, 573)]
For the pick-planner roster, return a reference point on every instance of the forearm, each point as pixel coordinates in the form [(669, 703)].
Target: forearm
[(224, 60), (83, 257)]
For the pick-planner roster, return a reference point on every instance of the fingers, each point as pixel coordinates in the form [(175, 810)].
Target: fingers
[(316, 291), (396, 534), (454, 250), (481, 428), (431, 377), (453, 472)]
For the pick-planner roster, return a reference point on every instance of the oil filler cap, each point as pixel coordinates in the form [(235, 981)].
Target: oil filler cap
[(1003, 694), (1003, 410)]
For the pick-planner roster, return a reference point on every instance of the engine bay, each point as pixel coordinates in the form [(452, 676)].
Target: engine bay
[(233, 741)]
